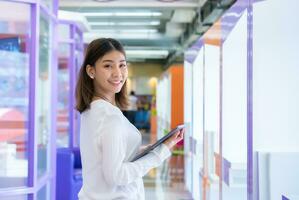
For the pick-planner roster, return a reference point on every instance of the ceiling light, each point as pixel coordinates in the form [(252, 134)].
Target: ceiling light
[(102, 23), (152, 23), (126, 30), (140, 14), (122, 14), (103, 0), (140, 31), (147, 52), (167, 1), (161, 54)]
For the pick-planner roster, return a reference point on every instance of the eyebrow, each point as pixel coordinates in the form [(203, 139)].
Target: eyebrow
[(113, 61)]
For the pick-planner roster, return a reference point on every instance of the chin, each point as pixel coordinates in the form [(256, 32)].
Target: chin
[(117, 90)]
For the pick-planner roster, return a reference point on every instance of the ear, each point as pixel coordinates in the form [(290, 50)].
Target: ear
[(90, 71)]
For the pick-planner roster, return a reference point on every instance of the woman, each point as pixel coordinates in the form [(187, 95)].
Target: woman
[(108, 141)]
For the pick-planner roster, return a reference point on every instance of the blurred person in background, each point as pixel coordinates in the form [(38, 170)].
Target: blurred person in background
[(132, 107)]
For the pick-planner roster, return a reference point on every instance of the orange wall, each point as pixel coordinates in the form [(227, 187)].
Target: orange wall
[(177, 95)]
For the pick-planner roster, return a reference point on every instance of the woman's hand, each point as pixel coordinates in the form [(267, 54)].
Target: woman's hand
[(173, 140)]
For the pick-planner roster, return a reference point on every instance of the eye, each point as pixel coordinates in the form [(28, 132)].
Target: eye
[(122, 65), (107, 66)]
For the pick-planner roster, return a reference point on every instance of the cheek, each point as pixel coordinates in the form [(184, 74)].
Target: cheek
[(102, 74), (125, 73)]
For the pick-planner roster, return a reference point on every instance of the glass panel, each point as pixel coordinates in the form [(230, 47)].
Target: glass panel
[(163, 105), (234, 112), (197, 94), (188, 121), (63, 95), (14, 94), (44, 97), (276, 100), (64, 32), (212, 158), (43, 193)]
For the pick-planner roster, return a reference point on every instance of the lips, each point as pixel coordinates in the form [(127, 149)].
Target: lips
[(116, 82)]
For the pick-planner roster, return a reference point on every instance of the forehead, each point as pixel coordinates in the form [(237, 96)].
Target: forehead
[(114, 56)]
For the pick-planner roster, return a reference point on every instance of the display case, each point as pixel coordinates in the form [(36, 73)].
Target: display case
[(27, 72), (245, 106), (219, 109), (69, 62)]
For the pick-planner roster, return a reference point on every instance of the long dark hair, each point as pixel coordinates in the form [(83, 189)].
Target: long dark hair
[(85, 89)]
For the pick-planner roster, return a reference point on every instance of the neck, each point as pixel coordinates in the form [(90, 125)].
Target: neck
[(110, 99)]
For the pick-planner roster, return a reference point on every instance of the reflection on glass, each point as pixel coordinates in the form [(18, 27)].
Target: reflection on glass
[(42, 194), (63, 95), (43, 85), (47, 3), (14, 95)]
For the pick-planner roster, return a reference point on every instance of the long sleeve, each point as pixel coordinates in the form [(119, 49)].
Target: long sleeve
[(113, 145)]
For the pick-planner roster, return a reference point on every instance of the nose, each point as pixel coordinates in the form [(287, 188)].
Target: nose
[(116, 72)]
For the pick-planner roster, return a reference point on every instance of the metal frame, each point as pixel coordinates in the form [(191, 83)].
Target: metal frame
[(249, 101), (72, 85)]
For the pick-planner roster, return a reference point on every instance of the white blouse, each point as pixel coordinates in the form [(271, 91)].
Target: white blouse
[(108, 141)]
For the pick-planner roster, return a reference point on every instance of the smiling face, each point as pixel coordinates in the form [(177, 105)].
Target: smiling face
[(109, 74)]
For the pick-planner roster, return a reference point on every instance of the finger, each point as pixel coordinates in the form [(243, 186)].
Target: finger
[(176, 134), (183, 133), (180, 134), (180, 137)]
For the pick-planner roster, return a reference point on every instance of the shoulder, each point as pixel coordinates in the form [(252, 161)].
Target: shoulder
[(106, 110)]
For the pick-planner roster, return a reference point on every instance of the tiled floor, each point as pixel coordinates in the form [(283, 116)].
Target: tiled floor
[(159, 185), (165, 195), (158, 189)]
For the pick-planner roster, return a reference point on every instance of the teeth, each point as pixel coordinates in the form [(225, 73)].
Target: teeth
[(116, 82)]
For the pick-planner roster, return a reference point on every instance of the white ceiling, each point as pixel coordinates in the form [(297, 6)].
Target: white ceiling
[(149, 25)]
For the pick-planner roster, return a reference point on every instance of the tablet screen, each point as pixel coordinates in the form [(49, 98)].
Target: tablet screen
[(159, 142)]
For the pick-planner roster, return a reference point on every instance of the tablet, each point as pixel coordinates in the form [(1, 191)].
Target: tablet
[(160, 141)]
